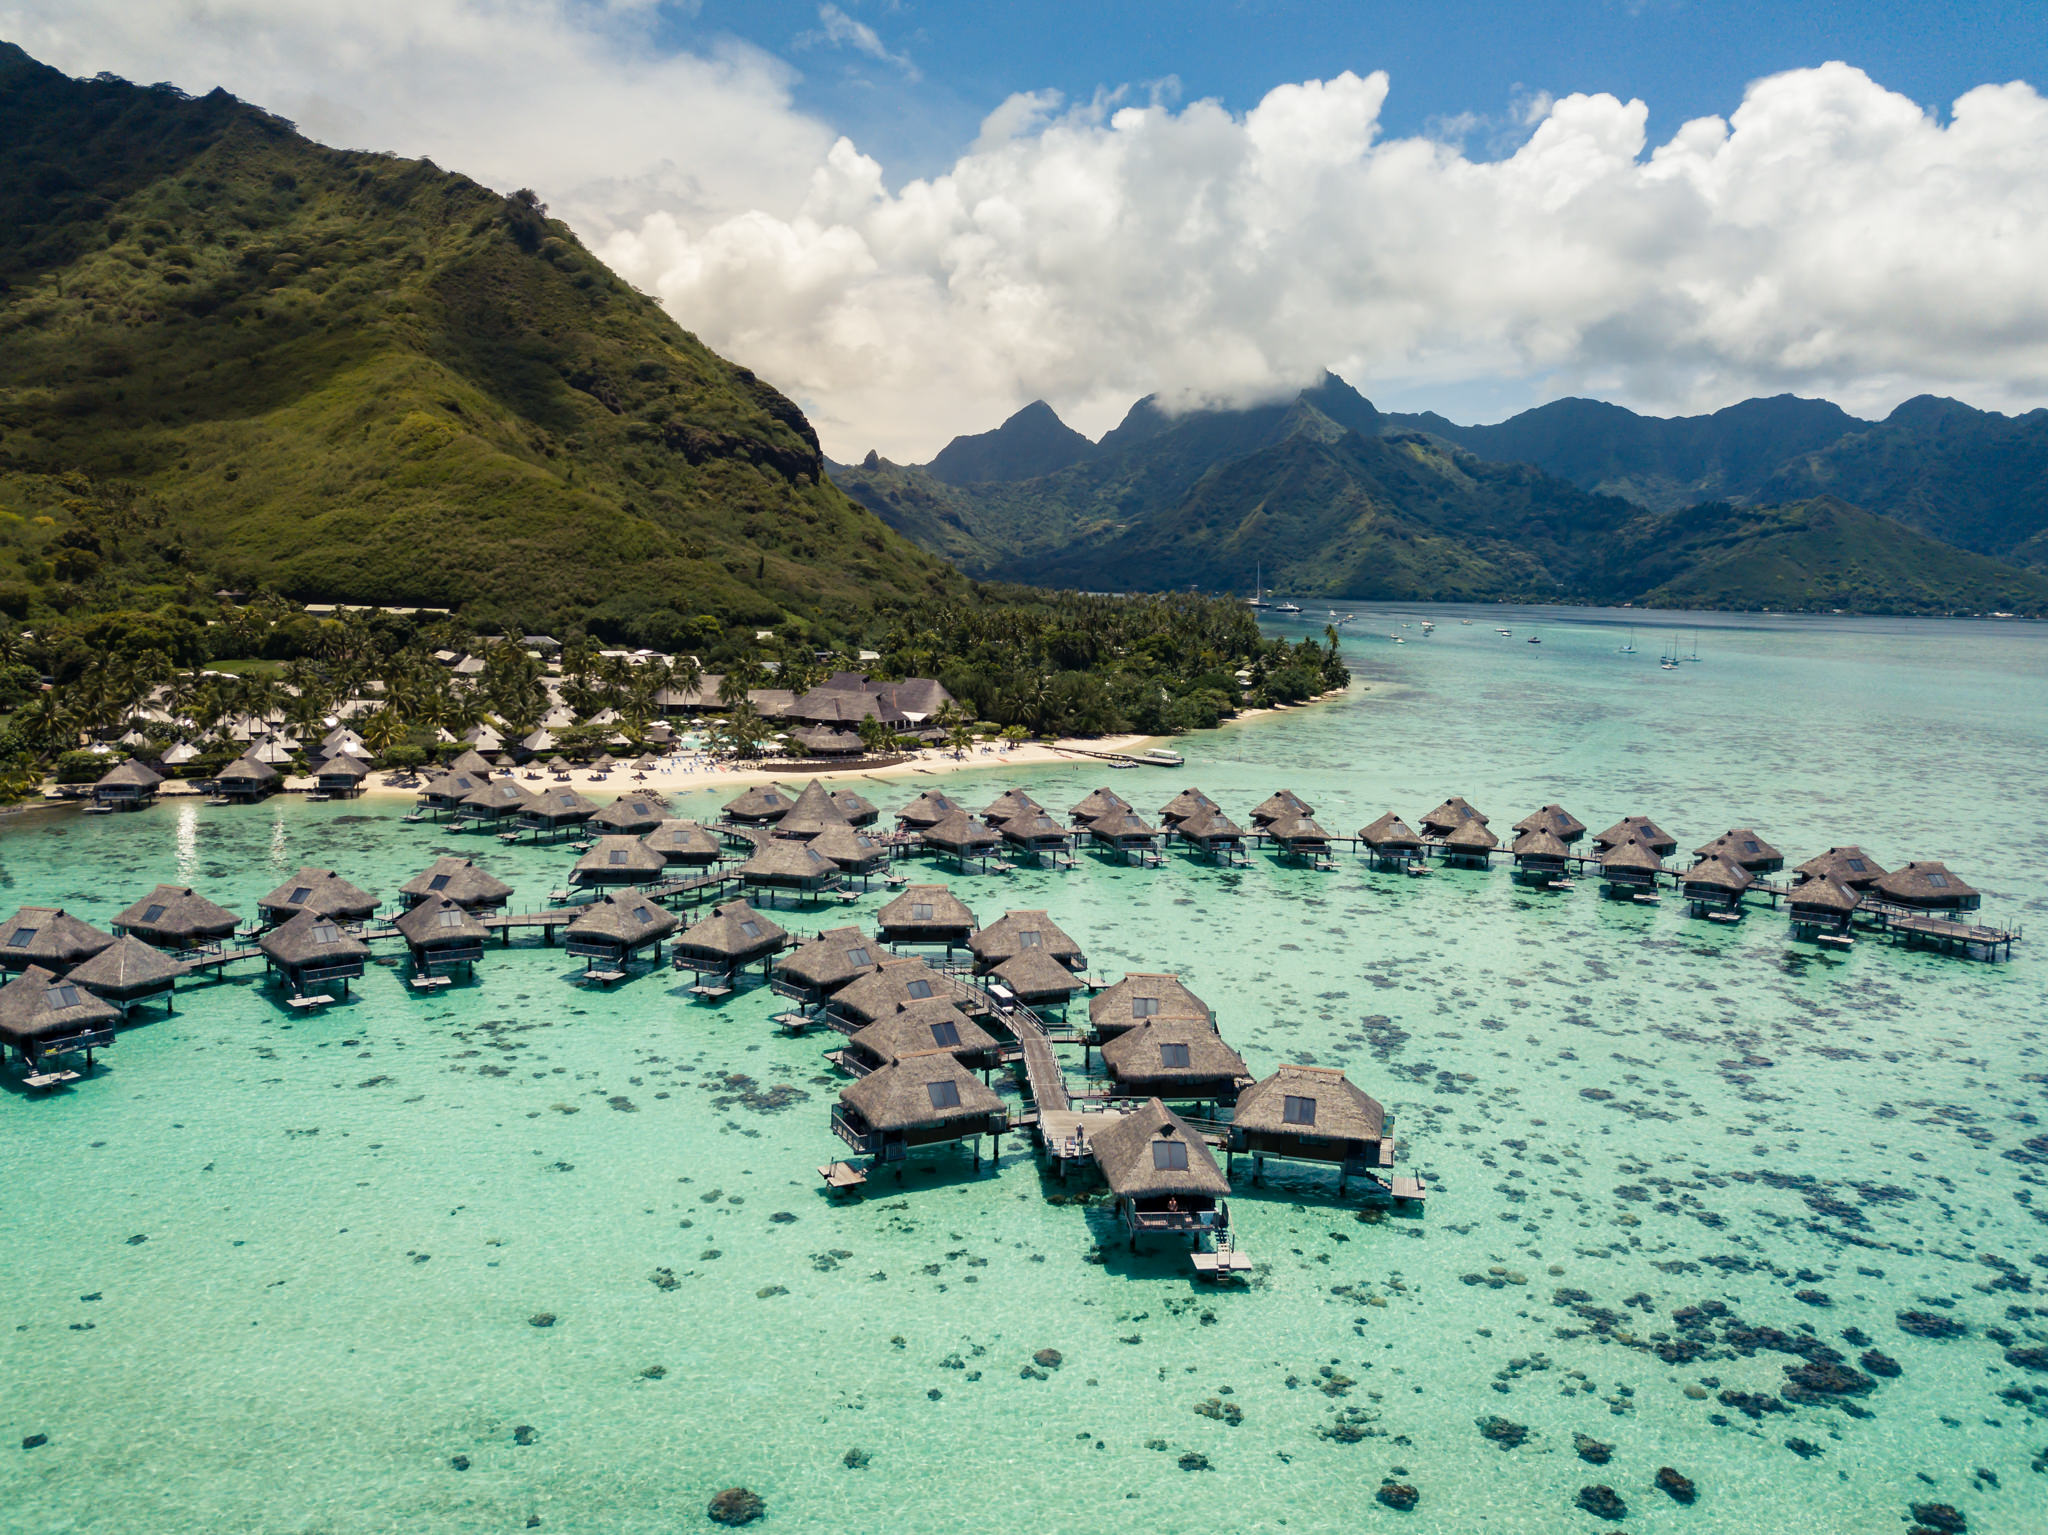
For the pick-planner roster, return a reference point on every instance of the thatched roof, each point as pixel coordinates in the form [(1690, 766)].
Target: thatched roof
[(831, 959), (1849, 866), (1286, 802), (922, 1026), (175, 916), (1186, 803), (1295, 828), (502, 797), (895, 983), (470, 762), (1389, 831), (734, 932), (126, 967), (684, 842), (1123, 1151), (926, 906), (632, 815), (812, 813), (1337, 1109), (1033, 976), (850, 848), (1926, 884), (460, 880), (1629, 854), (858, 810), (342, 765), (1470, 837), (1716, 874), (246, 770), (1743, 846), (1005, 805), (36, 1005), (1207, 826), (1140, 996), (917, 697), (1556, 820), (1020, 932), (899, 1095), (763, 802), (1122, 826), (558, 803), (1100, 803), (959, 835), (132, 774), (1539, 842), (1141, 1055), (787, 861), (618, 860), (1450, 815), (1033, 827), (322, 891), (928, 809), (829, 706), (311, 938), (624, 919), (440, 920), (828, 741), (1822, 894), (1642, 829), (452, 788)]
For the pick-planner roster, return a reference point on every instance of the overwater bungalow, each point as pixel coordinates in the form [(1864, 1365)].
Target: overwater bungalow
[(341, 776), (812, 813), (1036, 833), (618, 861), (1137, 997), (471, 762), (1023, 932), (312, 951), (1850, 867), (1123, 833), (731, 938), (1162, 1175), (1556, 820), (458, 880), (129, 971), (177, 917), (615, 929), (1312, 1114), (1210, 833), (247, 780), (828, 741), (501, 800), (1638, 828), (933, 1025), (927, 810), (858, 810), (1449, 816), (129, 786), (819, 966), (1745, 849), (1011, 803), (1284, 803), (1037, 979), (320, 891), (895, 983), (926, 914), (852, 851), (441, 935), (1100, 803), (783, 863), (925, 1098), (961, 838), (630, 815), (49, 937), (1298, 836), (1630, 868), (1821, 909), (762, 805), (42, 1016), (445, 791), (1178, 1060), (556, 810), (1541, 858), (1390, 842), (1468, 844), (1926, 887), (1188, 803), (1714, 887), (685, 843)]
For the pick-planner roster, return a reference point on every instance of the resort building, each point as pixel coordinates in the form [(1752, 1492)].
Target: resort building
[(1715, 887), (1847, 866), (320, 891), (1162, 1175), (1638, 828), (684, 843), (1630, 868), (1819, 907), (1102, 802), (1284, 803), (927, 810), (556, 810), (1185, 805), (894, 984), (1139, 997), (618, 861), (313, 950), (1926, 887), (341, 776), (458, 880), (247, 780), (961, 838), (49, 938), (926, 914), (782, 863), (926, 1098), (1022, 932), (1556, 820), (617, 929), (1390, 841), (819, 966), (42, 1015), (128, 787), (442, 935), (1179, 1060), (1745, 849), (922, 1026), (852, 851), (177, 917), (731, 938), (762, 805), (812, 813), (630, 815), (128, 971), (1209, 832), (1312, 1114), (1540, 856)]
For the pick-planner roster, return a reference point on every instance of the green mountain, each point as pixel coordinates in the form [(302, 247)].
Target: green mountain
[(1336, 501), (231, 356), (1033, 442)]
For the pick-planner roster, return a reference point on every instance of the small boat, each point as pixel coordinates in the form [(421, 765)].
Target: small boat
[(1465, 623), (1160, 756), (1258, 596), (1630, 648), (1428, 627), (1535, 639), (1505, 634), (1287, 607)]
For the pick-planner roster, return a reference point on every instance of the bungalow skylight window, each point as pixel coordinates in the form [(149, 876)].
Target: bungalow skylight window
[(1750, 846), (1856, 865), (1938, 881), (918, 989), (298, 895), (771, 799), (920, 911), (858, 957), (451, 919), (944, 1095), (1298, 1111), (1170, 1156), (617, 855), (750, 930), (1173, 1055), (152, 913), (1144, 1007), (438, 882), (1028, 940), (945, 1034), (22, 937), (642, 914), (63, 996), (326, 932)]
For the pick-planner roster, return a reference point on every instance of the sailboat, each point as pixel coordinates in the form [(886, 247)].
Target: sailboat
[(1695, 646), (1258, 596), (1630, 648), (1668, 659)]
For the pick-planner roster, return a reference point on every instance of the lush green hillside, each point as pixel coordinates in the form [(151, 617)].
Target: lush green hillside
[(231, 356)]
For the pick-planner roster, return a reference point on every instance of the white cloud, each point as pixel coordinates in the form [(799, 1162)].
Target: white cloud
[(836, 29), (1828, 236)]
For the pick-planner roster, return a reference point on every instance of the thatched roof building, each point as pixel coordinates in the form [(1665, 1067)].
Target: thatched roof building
[(928, 809), (1849, 866), (470, 761), (616, 927), (1312, 1114), (1390, 834), (1556, 820), (442, 934), (783, 863), (317, 890), (858, 810), (1098, 804), (829, 961), (1013, 802), (496, 800), (933, 1025), (444, 791), (1715, 883), (761, 805), (341, 774), (1298, 835), (732, 937), (1820, 902), (851, 850), (1020, 932), (1187, 803), (684, 842), (130, 785), (313, 949), (828, 741), (895, 983), (920, 1099), (812, 813), (176, 917), (1207, 831), (926, 914), (1639, 828), (1449, 816), (246, 778), (557, 806), (1745, 849), (1286, 802), (1469, 842), (1138, 997), (1037, 980), (127, 971), (618, 861), (1539, 851), (1034, 832), (1631, 864), (42, 1015), (1161, 1172), (1180, 1060), (630, 815), (1927, 887), (962, 837), (459, 880)]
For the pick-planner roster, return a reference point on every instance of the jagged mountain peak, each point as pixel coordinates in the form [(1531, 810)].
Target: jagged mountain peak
[(1032, 442)]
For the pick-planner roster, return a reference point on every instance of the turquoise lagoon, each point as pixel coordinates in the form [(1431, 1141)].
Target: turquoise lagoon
[(276, 1273)]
